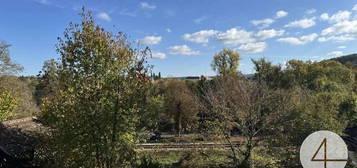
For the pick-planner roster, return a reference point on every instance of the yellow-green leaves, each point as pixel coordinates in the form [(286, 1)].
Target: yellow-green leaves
[(226, 62), (7, 105), (101, 83)]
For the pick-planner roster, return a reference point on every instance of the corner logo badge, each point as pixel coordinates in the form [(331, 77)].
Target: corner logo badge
[(323, 149)]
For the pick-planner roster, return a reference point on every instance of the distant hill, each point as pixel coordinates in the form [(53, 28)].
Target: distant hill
[(348, 59)]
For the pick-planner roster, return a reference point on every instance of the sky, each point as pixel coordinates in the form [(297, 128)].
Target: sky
[(184, 35)]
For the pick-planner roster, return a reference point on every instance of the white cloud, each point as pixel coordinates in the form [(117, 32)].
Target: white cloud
[(310, 11), (281, 14), (253, 47), (324, 16), (104, 16), (266, 34), (303, 23), (263, 23), (235, 36), (200, 19), (168, 30), (151, 40), (341, 47), (337, 17), (299, 40), (182, 50), (200, 36), (344, 30), (335, 54), (349, 27), (341, 38), (354, 7), (158, 55), (145, 5)]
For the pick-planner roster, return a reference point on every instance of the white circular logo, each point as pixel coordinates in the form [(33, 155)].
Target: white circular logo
[(323, 149)]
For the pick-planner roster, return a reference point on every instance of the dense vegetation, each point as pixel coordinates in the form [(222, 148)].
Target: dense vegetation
[(99, 99), (347, 60)]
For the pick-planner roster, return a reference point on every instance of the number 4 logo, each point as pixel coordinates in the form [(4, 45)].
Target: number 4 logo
[(325, 159)]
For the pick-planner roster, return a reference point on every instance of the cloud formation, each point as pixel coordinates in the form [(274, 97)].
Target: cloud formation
[(264, 23), (158, 55), (253, 47), (349, 27), (151, 40), (338, 39), (281, 14), (303, 23), (182, 50), (337, 17), (235, 36), (200, 36), (310, 11), (104, 16), (335, 54), (266, 34), (145, 5), (299, 40)]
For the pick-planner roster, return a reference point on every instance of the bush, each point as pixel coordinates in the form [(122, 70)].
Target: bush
[(7, 105), (148, 162)]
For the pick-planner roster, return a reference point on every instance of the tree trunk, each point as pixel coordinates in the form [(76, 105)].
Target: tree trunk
[(178, 119)]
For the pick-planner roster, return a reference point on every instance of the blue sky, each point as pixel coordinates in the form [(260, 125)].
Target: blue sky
[(185, 34)]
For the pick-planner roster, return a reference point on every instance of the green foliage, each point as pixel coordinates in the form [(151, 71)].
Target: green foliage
[(150, 119), (7, 105), (226, 62), (317, 111), (269, 74), (317, 76), (47, 80), (180, 105), (348, 109), (322, 76), (101, 92), (323, 99), (347, 60), (148, 162)]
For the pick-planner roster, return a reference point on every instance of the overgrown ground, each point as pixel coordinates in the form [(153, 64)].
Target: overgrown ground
[(188, 158)]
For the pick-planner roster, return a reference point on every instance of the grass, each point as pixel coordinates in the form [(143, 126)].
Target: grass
[(193, 158)]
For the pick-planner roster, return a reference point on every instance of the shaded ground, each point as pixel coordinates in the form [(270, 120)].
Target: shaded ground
[(17, 142)]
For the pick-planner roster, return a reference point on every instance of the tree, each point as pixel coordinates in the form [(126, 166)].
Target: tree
[(97, 106), (225, 62), (323, 100), (316, 76), (7, 67), (237, 104), (270, 75), (14, 88), (180, 104), (155, 108), (47, 80)]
